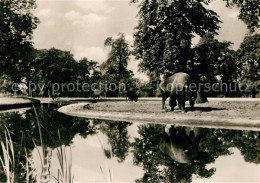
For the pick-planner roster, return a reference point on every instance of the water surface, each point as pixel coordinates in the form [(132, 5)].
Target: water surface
[(115, 151)]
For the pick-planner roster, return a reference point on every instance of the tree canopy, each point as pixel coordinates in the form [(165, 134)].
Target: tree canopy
[(219, 59), (248, 58), (165, 30), (16, 29), (115, 67)]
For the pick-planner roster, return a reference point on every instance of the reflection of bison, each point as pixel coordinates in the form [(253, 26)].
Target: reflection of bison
[(180, 143), (131, 96), (96, 94)]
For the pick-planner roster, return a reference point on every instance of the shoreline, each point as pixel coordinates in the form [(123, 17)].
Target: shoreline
[(9, 103), (84, 110)]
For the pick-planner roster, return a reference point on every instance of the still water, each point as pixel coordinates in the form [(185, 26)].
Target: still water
[(51, 146)]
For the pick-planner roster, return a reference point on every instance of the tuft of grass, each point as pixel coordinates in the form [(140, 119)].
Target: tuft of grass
[(27, 165), (65, 166), (8, 161), (45, 154)]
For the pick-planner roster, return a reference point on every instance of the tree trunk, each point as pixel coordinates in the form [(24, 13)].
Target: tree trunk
[(253, 92), (201, 97)]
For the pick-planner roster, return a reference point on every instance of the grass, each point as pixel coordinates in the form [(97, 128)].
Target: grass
[(43, 154), (108, 169), (8, 161), (64, 174)]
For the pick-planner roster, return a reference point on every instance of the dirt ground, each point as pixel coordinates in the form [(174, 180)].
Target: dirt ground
[(217, 109), (11, 100)]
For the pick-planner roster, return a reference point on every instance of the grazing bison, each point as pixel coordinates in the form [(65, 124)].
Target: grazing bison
[(131, 96), (178, 88), (96, 94), (55, 95)]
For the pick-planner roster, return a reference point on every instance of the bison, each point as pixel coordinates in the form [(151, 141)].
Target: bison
[(177, 87), (96, 94), (131, 96)]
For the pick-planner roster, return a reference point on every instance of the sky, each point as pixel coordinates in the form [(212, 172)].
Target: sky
[(81, 26)]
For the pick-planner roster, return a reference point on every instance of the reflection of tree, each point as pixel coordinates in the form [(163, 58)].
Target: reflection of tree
[(118, 138), (248, 142), (14, 122), (147, 154), (53, 122), (57, 129), (201, 148), (161, 167)]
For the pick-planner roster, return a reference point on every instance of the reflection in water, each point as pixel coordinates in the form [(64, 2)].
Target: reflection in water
[(181, 143), (165, 153)]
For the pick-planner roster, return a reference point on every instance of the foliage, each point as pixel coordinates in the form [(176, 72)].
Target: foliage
[(248, 62), (219, 59), (164, 32), (158, 167), (249, 12), (118, 138), (165, 29), (203, 148), (248, 58), (115, 68), (16, 29), (87, 71), (54, 67), (25, 134)]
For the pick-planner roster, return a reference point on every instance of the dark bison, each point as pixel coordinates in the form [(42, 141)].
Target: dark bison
[(131, 96), (55, 95), (178, 87), (96, 94)]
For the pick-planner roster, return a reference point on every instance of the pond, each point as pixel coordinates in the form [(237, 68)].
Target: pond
[(52, 147)]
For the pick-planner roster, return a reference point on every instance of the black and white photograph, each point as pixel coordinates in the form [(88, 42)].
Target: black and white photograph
[(122, 91)]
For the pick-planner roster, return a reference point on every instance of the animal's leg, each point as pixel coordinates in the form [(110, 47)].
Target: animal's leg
[(191, 102), (179, 104), (164, 98), (172, 101), (183, 106), (163, 103)]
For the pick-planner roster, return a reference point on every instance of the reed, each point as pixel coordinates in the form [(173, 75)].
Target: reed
[(109, 171), (64, 174), (45, 154), (8, 161)]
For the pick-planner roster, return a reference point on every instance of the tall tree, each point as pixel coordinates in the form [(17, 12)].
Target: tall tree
[(118, 56), (55, 67), (87, 73), (16, 27), (219, 59), (164, 32), (248, 58), (166, 27), (116, 65)]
